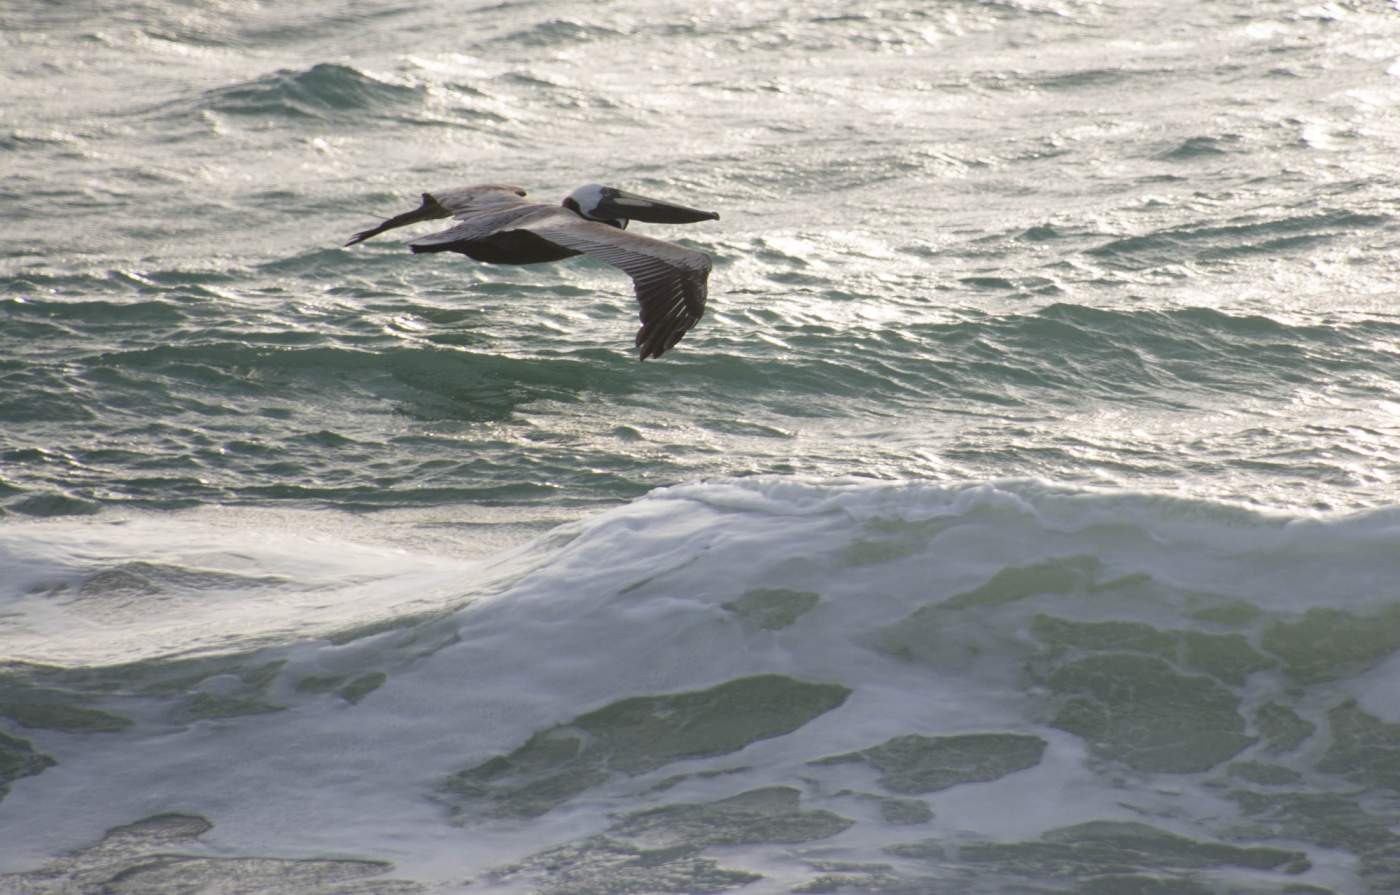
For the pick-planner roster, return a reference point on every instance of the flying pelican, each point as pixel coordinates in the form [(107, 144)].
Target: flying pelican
[(496, 225)]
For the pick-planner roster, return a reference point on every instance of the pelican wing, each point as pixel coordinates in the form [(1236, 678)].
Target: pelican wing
[(480, 223), (462, 202), (468, 200), (670, 280)]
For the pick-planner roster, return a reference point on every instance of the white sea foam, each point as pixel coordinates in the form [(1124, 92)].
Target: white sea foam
[(150, 586)]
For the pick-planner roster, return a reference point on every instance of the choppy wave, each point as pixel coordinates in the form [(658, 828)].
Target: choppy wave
[(171, 374), (1208, 242), (559, 31), (1065, 353), (873, 688), (323, 91)]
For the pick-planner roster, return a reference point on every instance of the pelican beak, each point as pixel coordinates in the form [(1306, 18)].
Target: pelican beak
[(617, 204)]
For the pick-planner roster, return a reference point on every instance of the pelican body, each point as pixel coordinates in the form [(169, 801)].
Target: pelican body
[(497, 226)]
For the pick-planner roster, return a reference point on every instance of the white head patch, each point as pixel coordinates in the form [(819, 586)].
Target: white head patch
[(588, 197)]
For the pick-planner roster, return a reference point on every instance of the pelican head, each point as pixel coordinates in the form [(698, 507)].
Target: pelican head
[(610, 205)]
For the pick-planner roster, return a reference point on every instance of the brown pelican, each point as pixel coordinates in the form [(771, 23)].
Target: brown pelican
[(495, 224)]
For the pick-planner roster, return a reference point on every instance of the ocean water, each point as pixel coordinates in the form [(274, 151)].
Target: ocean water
[(1022, 516)]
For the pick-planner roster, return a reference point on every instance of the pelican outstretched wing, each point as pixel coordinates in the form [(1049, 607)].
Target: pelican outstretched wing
[(461, 202), (670, 280)]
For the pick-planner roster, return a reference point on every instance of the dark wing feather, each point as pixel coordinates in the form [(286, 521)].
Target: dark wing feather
[(670, 281)]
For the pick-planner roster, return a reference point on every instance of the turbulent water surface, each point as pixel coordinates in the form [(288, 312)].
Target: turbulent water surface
[(1021, 516)]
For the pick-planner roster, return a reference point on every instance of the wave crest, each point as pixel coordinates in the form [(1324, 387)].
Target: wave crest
[(322, 91)]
